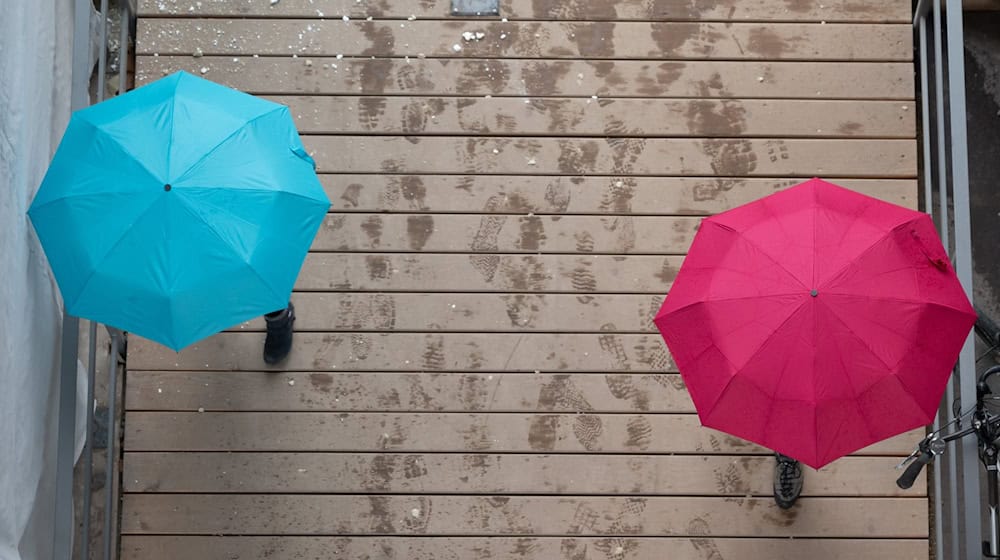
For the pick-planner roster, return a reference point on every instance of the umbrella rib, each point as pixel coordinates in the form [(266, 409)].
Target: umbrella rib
[(869, 249), (252, 189), (899, 300), (843, 364), (184, 204), (222, 142), (755, 353), (97, 266), (122, 147), (784, 371), (767, 255)]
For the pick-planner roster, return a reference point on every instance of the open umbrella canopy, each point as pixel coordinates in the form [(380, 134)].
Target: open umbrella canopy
[(178, 209), (816, 321)]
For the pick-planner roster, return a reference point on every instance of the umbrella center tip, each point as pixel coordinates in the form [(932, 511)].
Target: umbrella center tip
[(814, 293), (167, 187)]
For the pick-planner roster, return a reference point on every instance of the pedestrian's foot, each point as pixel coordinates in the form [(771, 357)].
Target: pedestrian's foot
[(278, 343), (787, 481)]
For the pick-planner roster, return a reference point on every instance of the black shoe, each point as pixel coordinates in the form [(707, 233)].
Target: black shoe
[(278, 343), (787, 481)]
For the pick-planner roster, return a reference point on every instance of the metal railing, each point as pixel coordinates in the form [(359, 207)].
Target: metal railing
[(946, 176), (64, 523)]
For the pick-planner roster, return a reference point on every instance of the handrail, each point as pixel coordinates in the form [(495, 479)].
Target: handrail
[(945, 170)]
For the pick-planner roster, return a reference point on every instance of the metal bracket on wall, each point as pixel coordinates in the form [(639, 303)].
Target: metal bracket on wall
[(475, 7)]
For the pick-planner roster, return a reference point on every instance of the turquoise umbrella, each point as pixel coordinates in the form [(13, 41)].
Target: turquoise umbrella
[(178, 209)]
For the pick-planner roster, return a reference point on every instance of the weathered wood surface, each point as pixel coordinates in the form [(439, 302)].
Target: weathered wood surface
[(526, 233), (576, 432), (358, 312), (697, 547), (400, 392), (541, 78), (724, 157), (429, 272), (475, 374), (479, 116), (234, 514), (494, 194), (589, 40), (594, 10), (234, 351), (438, 473)]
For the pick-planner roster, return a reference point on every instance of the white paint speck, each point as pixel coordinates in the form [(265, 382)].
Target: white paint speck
[(201, 409), (204, 70), (346, 18), (456, 47), (415, 512)]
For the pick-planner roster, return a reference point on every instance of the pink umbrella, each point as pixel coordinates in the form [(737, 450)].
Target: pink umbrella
[(816, 321)]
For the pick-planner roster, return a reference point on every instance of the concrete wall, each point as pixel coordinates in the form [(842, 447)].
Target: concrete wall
[(35, 58), (982, 67)]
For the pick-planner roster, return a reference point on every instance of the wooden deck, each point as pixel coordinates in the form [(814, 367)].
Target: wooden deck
[(476, 374)]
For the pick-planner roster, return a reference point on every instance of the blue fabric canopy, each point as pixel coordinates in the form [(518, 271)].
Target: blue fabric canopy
[(178, 209)]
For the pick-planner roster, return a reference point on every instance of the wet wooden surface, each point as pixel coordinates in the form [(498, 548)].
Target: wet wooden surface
[(702, 79), (618, 195), (493, 39), (679, 10), (475, 371), (557, 548)]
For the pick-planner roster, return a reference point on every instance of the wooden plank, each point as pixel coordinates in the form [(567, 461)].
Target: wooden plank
[(437, 473), (136, 547), (724, 157), (209, 514), (383, 391), (526, 233), (589, 40), (357, 312), (573, 195), (725, 10), (230, 351), (478, 116), (702, 79), (386, 272), (444, 432)]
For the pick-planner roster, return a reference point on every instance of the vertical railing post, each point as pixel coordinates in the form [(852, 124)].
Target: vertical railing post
[(971, 528), (950, 137), (62, 525)]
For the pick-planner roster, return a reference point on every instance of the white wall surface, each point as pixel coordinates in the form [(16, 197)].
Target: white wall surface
[(35, 63)]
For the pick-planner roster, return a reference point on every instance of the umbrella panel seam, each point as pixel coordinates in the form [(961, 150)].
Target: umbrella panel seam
[(208, 153), (222, 239), (99, 264)]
